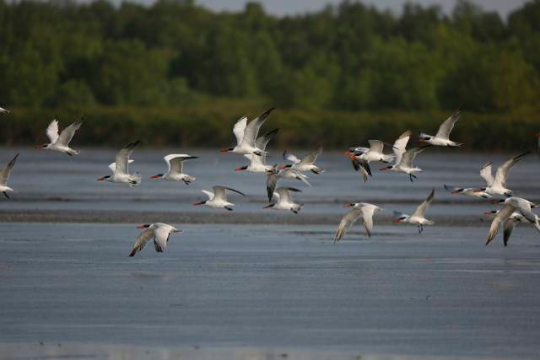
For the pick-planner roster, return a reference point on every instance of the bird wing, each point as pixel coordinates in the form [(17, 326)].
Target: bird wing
[(346, 222), (52, 131), (161, 237), (290, 157), (367, 213), (504, 169), (400, 144), (122, 158), (285, 195), (508, 227), (209, 194), (271, 183), (311, 158), (175, 161), (485, 172), (499, 219), (410, 155), (112, 166), (239, 129), (446, 127), (421, 210), (68, 133), (220, 193), (301, 177), (4, 173), (252, 129), (142, 240), (263, 140), (376, 146)]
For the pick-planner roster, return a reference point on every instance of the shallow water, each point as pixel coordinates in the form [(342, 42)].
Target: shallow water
[(273, 289)]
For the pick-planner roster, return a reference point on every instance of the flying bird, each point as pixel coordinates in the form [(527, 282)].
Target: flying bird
[(160, 232), (359, 210), (120, 168), (403, 161), (218, 198), (60, 142), (175, 163), (508, 224), (442, 138), (373, 153), (472, 192), (524, 207), (307, 163), (4, 176), (258, 163), (2, 110), (273, 176), (417, 218), (497, 185), (246, 135), (284, 200)]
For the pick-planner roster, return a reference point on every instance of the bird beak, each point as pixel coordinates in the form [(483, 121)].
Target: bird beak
[(224, 150), (348, 205), (141, 227), (100, 179), (347, 153), (198, 203), (38, 146), (397, 221), (154, 177), (488, 213), (457, 192), (495, 203), (267, 206), (238, 169), (385, 168)]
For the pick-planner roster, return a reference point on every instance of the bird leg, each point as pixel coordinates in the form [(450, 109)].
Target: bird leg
[(228, 208), (6, 195)]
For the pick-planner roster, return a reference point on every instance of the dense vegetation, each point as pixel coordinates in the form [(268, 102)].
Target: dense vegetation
[(346, 68)]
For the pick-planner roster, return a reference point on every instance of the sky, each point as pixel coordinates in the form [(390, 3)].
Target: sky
[(283, 7)]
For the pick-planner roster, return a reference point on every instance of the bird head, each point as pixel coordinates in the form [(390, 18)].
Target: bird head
[(42, 146), (144, 226), (199, 203), (226, 150), (156, 176)]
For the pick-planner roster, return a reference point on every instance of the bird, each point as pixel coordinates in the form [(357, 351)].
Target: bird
[(524, 207), (258, 163), (273, 175), (60, 142), (246, 135), (120, 168), (284, 200), (472, 192), (175, 162), (218, 198), (364, 210), (442, 138), (307, 163), (502, 217), (497, 185), (160, 232), (4, 176), (508, 224), (373, 153), (404, 158), (359, 164), (417, 218), (5, 111)]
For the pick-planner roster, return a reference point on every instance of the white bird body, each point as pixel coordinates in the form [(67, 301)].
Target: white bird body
[(175, 163), (508, 224), (442, 138), (359, 210), (524, 207), (307, 163), (497, 185), (284, 200), (472, 192), (274, 175), (403, 161), (4, 176), (246, 135), (258, 163), (60, 142), (160, 232), (120, 168), (374, 153), (218, 198), (418, 217)]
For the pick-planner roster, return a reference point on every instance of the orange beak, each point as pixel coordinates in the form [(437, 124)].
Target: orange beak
[(198, 203), (154, 177), (38, 146), (397, 221), (223, 150), (455, 192), (100, 179), (238, 169), (141, 227)]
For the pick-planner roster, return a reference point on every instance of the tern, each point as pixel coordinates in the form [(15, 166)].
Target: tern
[(4, 176), (364, 210), (284, 200), (175, 162), (120, 168), (246, 135), (360, 164), (160, 232), (417, 218), (2, 110), (497, 185), (258, 163), (442, 138), (404, 158), (273, 176), (60, 142), (524, 207), (218, 198), (508, 224), (472, 192), (307, 163), (373, 153)]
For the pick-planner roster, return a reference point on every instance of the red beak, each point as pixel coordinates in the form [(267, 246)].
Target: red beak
[(238, 169), (223, 150), (494, 203), (199, 203), (154, 177), (347, 205), (384, 169), (100, 179), (38, 146), (397, 221), (455, 192), (141, 227), (488, 213)]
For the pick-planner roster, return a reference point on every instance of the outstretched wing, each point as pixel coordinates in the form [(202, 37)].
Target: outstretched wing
[(52, 131), (239, 129), (367, 213), (219, 192), (284, 193), (410, 155), (508, 227), (290, 157), (122, 157), (504, 169), (68, 133), (499, 219), (485, 172), (271, 183), (376, 146), (161, 237), (446, 127), (252, 129), (400, 144), (175, 162), (263, 140), (421, 210), (346, 222), (4, 174), (311, 158), (142, 240)]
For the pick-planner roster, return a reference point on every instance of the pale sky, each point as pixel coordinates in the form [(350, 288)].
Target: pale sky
[(281, 7)]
